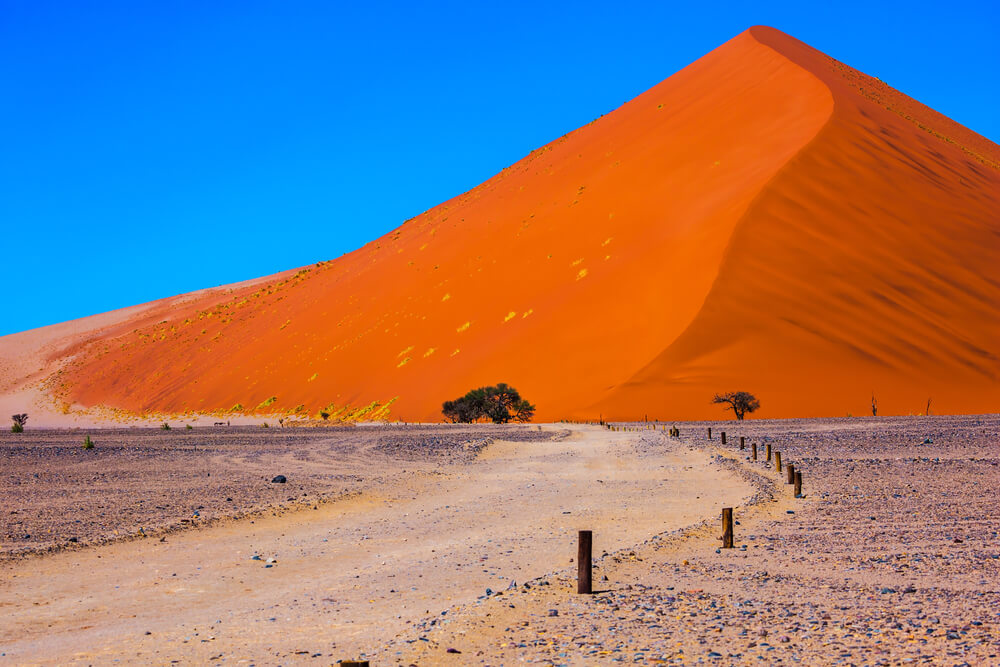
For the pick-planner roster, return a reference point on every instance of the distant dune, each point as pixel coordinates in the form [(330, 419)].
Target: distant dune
[(766, 219)]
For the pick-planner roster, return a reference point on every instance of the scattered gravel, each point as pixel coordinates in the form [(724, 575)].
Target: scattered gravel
[(892, 557), (141, 482)]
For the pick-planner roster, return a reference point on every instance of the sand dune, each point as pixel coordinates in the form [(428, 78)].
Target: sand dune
[(766, 219)]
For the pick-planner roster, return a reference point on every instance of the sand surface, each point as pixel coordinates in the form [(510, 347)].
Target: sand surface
[(144, 482), (766, 219), (892, 557), (352, 575)]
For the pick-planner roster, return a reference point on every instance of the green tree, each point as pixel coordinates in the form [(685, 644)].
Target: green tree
[(499, 404), (19, 421)]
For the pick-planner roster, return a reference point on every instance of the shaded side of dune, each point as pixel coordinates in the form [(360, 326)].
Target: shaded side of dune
[(867, 264)]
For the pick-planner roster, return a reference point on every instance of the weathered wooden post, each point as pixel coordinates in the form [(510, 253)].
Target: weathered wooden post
[(743, 442), (798, 483), (754, 446), (791, 474), (727, 527), (353, 663), (777, 461), (723, 437), (767, 452), (709, 432), (583, 560)]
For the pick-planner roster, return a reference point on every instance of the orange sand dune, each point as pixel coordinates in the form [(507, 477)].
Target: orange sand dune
[(766, 219)]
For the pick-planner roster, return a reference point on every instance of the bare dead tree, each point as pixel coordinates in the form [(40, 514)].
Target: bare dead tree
[(927, 410), (740, 402), (874, 405)]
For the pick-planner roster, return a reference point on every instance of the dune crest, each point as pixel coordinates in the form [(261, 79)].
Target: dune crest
[(765, 219)]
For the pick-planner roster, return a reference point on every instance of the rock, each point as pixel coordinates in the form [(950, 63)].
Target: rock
[(553, 612), (453, 650)]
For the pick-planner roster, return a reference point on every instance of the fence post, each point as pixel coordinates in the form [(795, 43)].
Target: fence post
[(583, 560), (709, 432), (727, 527), (742, 442), (791, 474), (767, 452), (723, 437), (798, 483), (754, 445)]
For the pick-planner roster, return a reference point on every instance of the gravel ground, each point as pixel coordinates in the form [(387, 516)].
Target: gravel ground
[(892, 557), (149, 481)]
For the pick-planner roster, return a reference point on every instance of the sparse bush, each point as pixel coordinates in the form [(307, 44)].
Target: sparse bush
[(19, 422), (324, 415), (264, 425), (499, 404), (165, 427), (189, 427), (740, 402), (87, 442)]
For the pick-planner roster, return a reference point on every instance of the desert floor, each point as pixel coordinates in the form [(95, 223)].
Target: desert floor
[(430, 520), (387, 539)]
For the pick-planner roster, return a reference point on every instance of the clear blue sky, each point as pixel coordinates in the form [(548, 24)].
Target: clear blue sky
[(153, 148)]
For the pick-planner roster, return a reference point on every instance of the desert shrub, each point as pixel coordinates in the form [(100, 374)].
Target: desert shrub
[(740, 402), (498, 404), (87, 442), (165, 427), (19, 421), (324, 415), (189, 427)]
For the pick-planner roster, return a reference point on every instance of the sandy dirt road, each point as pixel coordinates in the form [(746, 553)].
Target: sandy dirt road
[(353, 575)]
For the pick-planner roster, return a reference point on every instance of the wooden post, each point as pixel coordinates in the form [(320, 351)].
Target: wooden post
[(583, 563), (798, 483), (723, 437), (353, 663), (754, 446), (743, 442), (767, 452), (727, 527), (709, 432), (791, 474), (777, 461)]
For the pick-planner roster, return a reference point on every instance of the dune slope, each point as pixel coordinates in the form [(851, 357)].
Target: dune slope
[(765, 219)]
